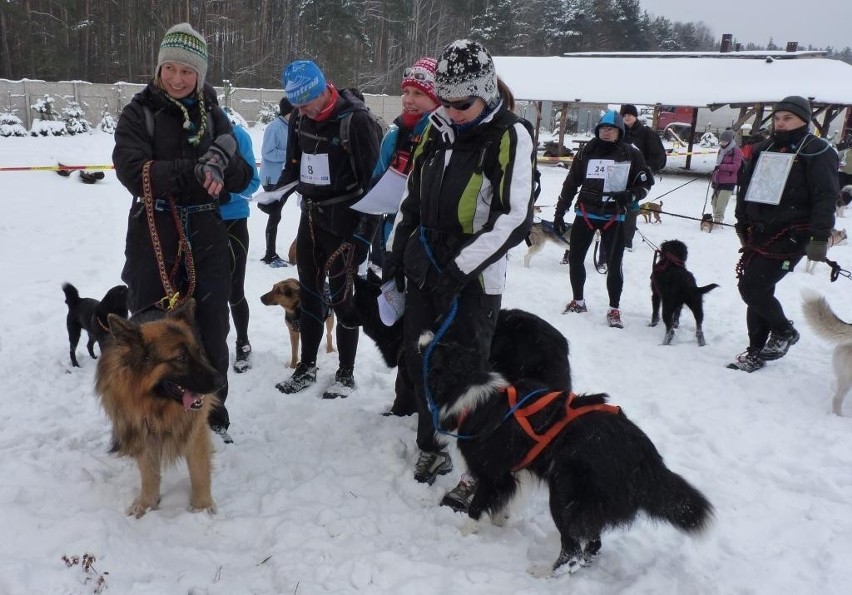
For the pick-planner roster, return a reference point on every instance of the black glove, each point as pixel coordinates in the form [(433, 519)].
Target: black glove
[(622, 198), (817, 250), (359, 247), (447, 287), (559, 225), (393, 271), (216, 159)]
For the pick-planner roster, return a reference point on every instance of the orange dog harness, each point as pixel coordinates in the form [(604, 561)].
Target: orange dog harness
[(522, 415)]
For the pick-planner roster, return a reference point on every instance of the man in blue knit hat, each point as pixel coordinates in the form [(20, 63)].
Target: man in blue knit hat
[(610, 175), (331, 152)]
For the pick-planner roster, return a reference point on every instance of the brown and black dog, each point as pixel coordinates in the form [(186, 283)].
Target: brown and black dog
[(651, 211), (157, 388), (287, 294)]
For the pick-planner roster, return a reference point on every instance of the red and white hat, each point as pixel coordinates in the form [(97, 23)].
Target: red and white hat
[(422, 76)]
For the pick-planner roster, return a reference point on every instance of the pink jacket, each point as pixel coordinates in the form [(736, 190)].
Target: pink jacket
[(726, 172)]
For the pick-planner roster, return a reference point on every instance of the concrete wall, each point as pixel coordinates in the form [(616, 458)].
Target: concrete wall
[(93, 97)]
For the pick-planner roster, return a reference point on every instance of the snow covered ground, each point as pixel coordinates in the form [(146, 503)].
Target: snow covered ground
[(318, 497)]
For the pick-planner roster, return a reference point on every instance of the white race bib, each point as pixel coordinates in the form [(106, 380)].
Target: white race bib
[(314, 169), (769, 178), (613, 174)]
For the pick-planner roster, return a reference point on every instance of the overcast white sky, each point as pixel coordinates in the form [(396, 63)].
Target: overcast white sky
[(817, 22)]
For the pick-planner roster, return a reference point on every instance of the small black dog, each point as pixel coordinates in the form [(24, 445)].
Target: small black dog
[(675, 287), (91, 315), (600, 468)]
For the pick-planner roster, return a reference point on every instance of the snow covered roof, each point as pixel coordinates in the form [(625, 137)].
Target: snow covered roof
[(684, 81)]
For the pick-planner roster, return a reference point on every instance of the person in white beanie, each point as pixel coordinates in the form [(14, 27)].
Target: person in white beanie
[(724, 179), (175, 153)]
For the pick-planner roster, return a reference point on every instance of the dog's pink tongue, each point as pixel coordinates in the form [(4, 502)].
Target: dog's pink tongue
[(190, 400)]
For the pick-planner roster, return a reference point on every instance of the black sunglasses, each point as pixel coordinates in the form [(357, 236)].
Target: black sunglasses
[(417, 75), (460, 105)]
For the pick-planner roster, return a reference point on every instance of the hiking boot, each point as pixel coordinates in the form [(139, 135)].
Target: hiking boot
[(459, 497), (565, 257), (778, 344), (303, 376), (432, 464), (241, 364), (748, 361), (575, 306), (222, 431), (613, 317), (343, 385)]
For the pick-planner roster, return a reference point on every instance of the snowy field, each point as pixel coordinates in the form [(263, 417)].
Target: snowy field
[(318, 496)]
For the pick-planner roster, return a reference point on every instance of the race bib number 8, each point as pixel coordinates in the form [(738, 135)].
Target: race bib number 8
[(314, 169)]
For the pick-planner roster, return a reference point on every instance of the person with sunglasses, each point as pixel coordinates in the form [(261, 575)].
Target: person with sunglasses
[(468, 201)]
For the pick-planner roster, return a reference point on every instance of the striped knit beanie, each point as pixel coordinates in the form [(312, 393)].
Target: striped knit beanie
[(421, 76), (185, 45)]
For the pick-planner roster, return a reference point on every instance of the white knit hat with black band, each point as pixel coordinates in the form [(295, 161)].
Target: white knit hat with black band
[(185, 45), (465, 69)]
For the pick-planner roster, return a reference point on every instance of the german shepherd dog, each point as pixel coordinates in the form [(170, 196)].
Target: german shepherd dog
[(828, 325), (287, 294), (674, 286), (600, 468), (540, 233), (157, 388), (90, 315)]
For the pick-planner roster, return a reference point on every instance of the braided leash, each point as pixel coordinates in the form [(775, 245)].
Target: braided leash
[(172, 297), (750, 251)]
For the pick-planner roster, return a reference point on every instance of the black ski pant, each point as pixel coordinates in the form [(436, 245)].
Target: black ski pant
[(314, 246), (612, 242), (757, 288), (238, 238), (210, 250), (473, 326)]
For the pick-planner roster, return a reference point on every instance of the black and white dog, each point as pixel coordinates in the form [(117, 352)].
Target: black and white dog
[(674, 287), (601, 469), (524, 345)]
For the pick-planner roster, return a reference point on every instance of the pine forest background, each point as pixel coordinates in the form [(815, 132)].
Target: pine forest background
[(363, 43)]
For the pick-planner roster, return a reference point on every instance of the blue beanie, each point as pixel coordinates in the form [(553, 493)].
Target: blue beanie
[(303, 82), (611, 118)]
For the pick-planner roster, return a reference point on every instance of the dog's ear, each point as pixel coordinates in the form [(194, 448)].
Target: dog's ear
[(124, 331), (185, 312)]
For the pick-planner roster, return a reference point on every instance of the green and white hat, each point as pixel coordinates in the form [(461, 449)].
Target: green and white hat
[(185, 45)]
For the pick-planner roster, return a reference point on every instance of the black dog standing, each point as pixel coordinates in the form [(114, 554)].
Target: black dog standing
[(674, 286), (90, 315)]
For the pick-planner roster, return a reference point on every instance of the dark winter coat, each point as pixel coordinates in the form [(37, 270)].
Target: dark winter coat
[(173, 170), (809, 194), (648, 143), (468, 201), (591, 199), (172, 174), (349, 172)]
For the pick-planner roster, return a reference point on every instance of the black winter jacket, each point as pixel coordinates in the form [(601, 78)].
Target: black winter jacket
[(469, 199), (591, 198), (308, 137), (809, 194), (173, 170), (648, 143)]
